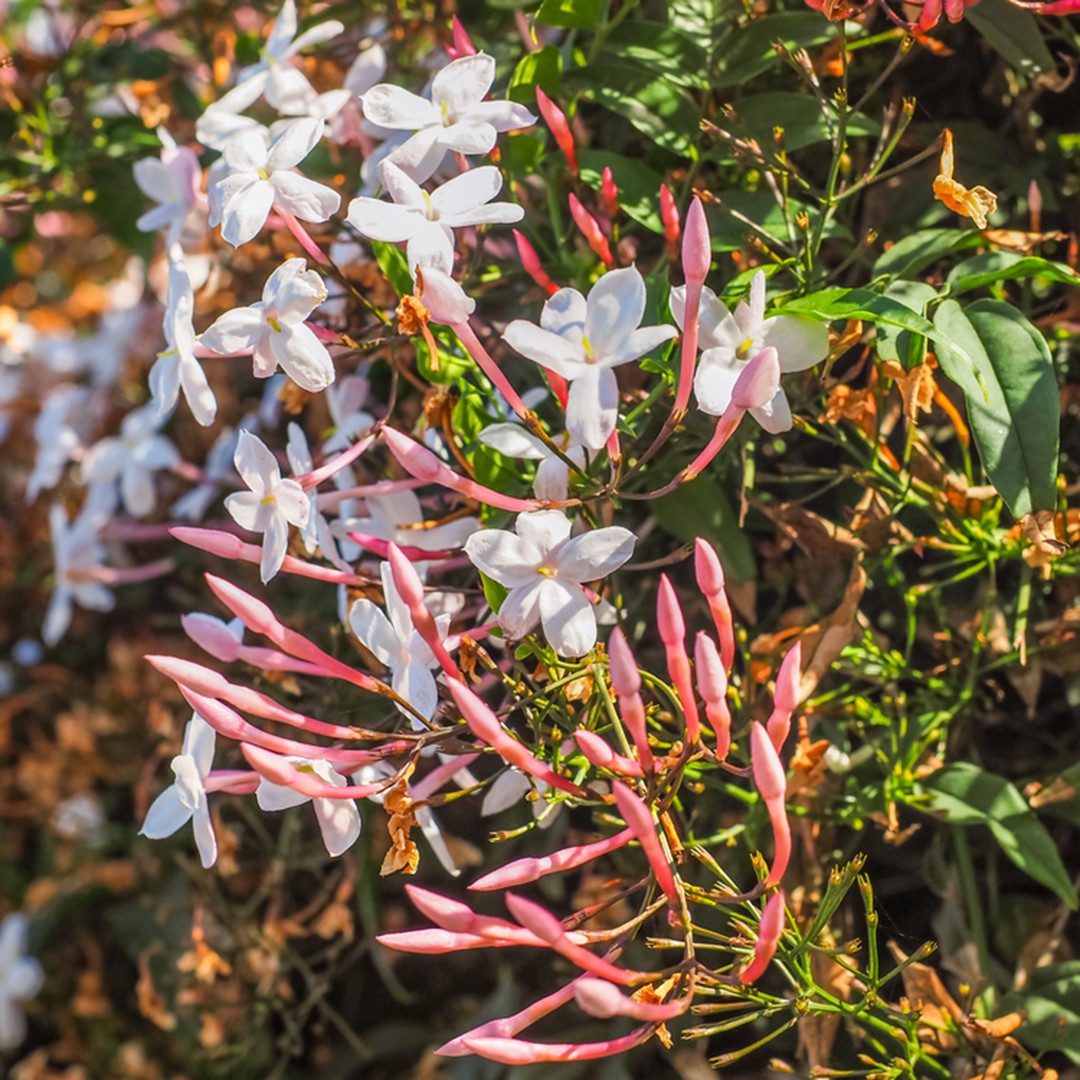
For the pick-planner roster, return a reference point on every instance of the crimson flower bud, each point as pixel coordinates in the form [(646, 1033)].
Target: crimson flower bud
[(556, 120), (609, 193), (669, 215), (590, 229)]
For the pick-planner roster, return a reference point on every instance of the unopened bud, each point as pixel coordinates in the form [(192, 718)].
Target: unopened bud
[(530, 262), (609, 193), (669, 215), (696, 247), (758, 381), (590, 229), (556, 121)]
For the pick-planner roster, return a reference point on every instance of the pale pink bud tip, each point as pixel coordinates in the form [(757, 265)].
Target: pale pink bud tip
[(609, 193), (758, 381), (604, 1000), (669, 614), (770, 927), (405, 577), (624, 670), (769, 775), (788, 678), (697, 244), (707, 567)]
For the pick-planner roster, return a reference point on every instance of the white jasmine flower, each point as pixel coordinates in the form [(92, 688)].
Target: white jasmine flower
[(21, 979), (77, 555), (177, 368), (258, 177), (426, 221), (456, 118), (283, 85), (729, 340), (185, 800), (339, 819), (345, 400), (552, 478), (173, 181), (57, 439), (132, 457), (217, 471), (275, 330), (545, 569), (583, 340), (270, 505), (397, 646), (80, 819)]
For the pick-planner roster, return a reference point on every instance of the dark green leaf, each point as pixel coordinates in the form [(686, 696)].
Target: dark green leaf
[(543, 69), (570, 14), (729, 233), (994, 266), (1014, 412), (639, 186), (1052, 1000), (893, 343), (748, 50), (910, 256), (965, 794), (799, 115), (1015, 34), (662, 49), (391, 260)]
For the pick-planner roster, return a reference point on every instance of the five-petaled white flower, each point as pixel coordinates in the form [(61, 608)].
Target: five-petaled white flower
[(396, 645), (57, 437), (552, 480), (271, 504), (583, 339), (173, 181), (275, 331), (77, 557), (21, 978), (132, 457), (185, 799), (177, 368), (729, 340), (456, 118), (426, 220), (339, 819), (545, 569), (284, 86), (257, 177)]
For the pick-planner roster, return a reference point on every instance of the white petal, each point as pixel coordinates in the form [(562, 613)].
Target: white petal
[(24, 980), (801, 343), (57, 616), (514, 441), (12, 1023), (274, 797), (164, 382), (545, 529), (616, 304), (205, 840), (416, 684), (775, 416), (199, 741), (294, 143), (303, 357), (592, 407), (561, 355), (430, 247), (715, 379), (137, 489), (467, 191), (520, 611), (257, 466), (568, 619), (274, 548), (293, 503), (462, 83), (401, 187), (595, 554), (315, 35), (421, 154), (468, 138), (508, 789), (167, 813), (247, 152), (641, 341), (501, 115), (305, 198), (196, 387), (564, 314), (246, 211), (504, 556), (396, 108), (373, 628), (247, 509), (339, 823), (236, 330), (552, 480)]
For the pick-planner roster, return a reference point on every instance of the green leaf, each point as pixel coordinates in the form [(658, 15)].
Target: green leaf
[(701, 508), (697, 17), (908, 257), (993, 266), (494, 593), (893, 343), (729, 232), (747, 50), (543, 69), (391, 260), (1052, 1000), (662, 49), (661, 111), (799, 115), (1014, 412), (965, 794), (1015, 34), (639, 186), (571, 14)]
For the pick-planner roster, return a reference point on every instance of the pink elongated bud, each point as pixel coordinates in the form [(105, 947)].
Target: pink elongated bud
[(475, 348), (232, 781), (758, 381), (786, 696), (420, 462), (413, 554), (603, 757), (673, 634), (710, 578), (462, 45), (589, 227), (544, 925), (433, 941), (446, 301), (507, 1027), (227, 546), (556, 120), (771, 781), (213, 636), (770, 927), (521, 1052), (522, 871), (712, 682), (280, 771), (669, 215), (332, 467), (206, 681), (604, 1000), (627, 682), (609, 193), (411, 590), (639, 821), (697, 244), (258, 618), (531, 264), (485, 725)]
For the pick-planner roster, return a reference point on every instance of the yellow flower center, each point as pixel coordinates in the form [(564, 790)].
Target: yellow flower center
[(587, 346), (744, 350), (547, 571)]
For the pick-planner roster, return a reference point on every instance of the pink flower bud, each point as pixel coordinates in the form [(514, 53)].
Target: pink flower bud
[(771, 782), (522, 871), (603, 757), (609, 193), (669, 215), (669, 614), (627, 683), (445, 300), (433, 941), (770, 927), (710, 578), (463, 45), (520, 1052), (604, 1000), (530, 262), (712, 682), (411, 590), (697, 244), (279, 770), (758, 381), (786, 696), (590, 229), (555, 119), (673, 634), (640, 822)]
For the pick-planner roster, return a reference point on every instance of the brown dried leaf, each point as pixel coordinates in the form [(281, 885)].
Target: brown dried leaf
[(1041, 529), (151, 1003), (916, 385), (823, 643), (940, 1012)]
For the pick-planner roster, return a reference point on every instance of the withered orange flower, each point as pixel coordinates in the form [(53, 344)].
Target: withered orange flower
[(975, 203)]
